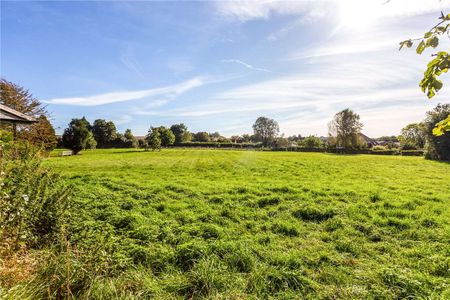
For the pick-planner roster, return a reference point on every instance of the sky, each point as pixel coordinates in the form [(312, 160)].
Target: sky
[(218, 65)]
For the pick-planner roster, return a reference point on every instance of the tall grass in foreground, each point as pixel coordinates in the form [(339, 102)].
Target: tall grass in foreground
[(199, 224)]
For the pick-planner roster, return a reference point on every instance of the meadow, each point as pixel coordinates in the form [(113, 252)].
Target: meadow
[(219, 224)]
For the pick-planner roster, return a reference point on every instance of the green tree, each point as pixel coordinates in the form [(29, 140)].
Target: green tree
[(153, 138), (77, 135), (41, 134), (20, 99), (91, 143), (437, 147), (282, 142), (181, 133), (201, 136), (345, 128), (130, 140), (430, 84), (412, 136), (104, 132), (265, 130), (187, 137), (311, 141), (167, 136)]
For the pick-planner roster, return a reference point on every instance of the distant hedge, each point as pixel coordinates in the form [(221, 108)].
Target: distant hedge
[(218, 145), (229, 145)]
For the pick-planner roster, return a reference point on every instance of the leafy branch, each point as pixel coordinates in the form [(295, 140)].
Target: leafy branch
[(430, 84)]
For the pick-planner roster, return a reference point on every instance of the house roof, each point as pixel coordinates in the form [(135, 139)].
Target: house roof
[(9, 115)]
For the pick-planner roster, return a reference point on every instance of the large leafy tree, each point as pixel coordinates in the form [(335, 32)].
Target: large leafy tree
[(437, 147), (266, 130), (201, 136), (78, 135), (167, 136), (130, 140), (345, 128), (181, 133), (430, 84), (41, 134), (311, 141), (20, 99), (104, 132), (413, 136), (153, 138)]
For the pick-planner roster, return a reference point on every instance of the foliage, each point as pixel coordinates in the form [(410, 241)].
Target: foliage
[(5, 137), (167, 136), (91, 143), (78, 135), (104, 133), (40, 134), (311, 141), (153, 138), (273, 225), (202, 136), (430, 84), (344, 129), (265, 130), (437, 147), (442, 127), (33, 200), (130, 140), (412, 137), (20, 99), (181, 133), (282, 142)]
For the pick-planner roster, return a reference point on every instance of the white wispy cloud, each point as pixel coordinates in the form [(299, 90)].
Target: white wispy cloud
[(247, 10), (128, 59), (121, 96), (248, 66)]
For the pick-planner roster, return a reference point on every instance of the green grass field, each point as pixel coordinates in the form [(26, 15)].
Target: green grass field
[(218, 224)]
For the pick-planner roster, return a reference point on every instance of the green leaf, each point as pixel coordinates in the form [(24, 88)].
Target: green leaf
[(420, 47), (442, 127), (433, 42), (428, 34)]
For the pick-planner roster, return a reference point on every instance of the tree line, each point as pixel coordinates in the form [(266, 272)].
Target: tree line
[(344, 132)]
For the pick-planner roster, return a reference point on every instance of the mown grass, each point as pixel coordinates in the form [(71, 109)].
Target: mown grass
[(221, 224)]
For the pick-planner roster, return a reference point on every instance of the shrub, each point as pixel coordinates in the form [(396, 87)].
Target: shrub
[(312, 142), (378, 148), (33, 200), (437, 147)]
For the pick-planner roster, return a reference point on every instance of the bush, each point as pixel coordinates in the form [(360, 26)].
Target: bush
[(412, 152), (33, 200), (437, 147), (385, 152), (379, 148), (312, 142)]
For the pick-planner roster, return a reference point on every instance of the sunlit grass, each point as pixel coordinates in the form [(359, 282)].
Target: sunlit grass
[(243, 224)]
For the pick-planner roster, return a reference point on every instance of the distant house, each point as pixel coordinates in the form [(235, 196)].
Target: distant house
[(369, 141), (14, 117)]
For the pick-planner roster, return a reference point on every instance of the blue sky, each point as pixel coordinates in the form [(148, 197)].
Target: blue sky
[(217, 66)]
